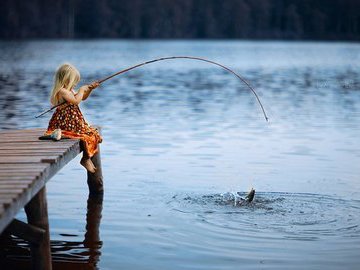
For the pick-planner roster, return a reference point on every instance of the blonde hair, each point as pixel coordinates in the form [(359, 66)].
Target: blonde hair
[(66, 76)]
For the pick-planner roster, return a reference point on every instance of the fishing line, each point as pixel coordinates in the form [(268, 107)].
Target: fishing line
[(169, 58)]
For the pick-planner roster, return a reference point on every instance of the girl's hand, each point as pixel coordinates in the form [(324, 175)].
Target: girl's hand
[(93, 85), (84, 88), (89, 88)]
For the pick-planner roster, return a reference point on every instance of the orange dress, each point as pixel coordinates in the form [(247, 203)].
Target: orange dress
[(70, 120)]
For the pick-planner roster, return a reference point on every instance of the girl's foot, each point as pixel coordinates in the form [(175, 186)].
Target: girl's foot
[(87, 163)]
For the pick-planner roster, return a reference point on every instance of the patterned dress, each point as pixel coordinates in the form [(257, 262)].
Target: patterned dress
[(70, 120)]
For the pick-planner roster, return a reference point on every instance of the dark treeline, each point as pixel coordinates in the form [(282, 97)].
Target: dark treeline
[(245, 19)]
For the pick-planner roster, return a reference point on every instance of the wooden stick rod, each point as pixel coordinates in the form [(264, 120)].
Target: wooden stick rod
[(176, 57)]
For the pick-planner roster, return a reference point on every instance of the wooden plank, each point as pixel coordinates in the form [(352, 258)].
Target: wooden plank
[(27, 169), (28, 130), (38, 145), (49, 149), (5, 182), (17, 183), (26, 159), (22, 175), (29, 139), (26, 134), (30, 154), (36, 150), (15, 186), (31, 165), (19, 177), (21, 172), (22, 131), (23, 178), (32, 137), (11, 191), (32, 151), (7, 197), (37, 142), (8, 185)]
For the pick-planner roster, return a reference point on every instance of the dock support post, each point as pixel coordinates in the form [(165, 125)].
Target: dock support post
[(95, 180), (37, 215)]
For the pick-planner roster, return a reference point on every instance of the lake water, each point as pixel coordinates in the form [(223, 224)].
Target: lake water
[(179, 134)]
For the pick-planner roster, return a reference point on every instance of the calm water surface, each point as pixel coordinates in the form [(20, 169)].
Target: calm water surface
[(179, 135)]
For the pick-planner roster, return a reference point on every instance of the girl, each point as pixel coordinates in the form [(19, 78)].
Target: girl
[(68, 116)]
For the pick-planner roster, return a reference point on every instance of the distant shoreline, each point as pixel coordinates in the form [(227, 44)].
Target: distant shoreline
[(185, 39)]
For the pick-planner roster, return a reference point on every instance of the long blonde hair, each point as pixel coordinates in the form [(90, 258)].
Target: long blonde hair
[(66, 76)]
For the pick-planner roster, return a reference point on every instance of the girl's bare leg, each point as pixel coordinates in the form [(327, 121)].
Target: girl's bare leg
[(87, 163)]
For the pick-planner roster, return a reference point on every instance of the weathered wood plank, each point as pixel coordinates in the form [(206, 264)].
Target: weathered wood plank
[(5, 173), (30, 165), (22, 159), (5, 182), (22, 131), (19, 177), (11, 191), (13, 197), (29, 169), (8, 186), (24, 146), (28, 139), (30, 155), (34, 145), (32, 151)]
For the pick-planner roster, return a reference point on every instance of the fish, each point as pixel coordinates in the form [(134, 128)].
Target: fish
[(236, 199), (250, 196)]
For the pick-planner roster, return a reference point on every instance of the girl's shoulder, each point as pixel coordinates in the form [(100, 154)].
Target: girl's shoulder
[(64, 91)]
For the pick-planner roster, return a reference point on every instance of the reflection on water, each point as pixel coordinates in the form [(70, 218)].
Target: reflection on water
[(179, 134), (66, 254)]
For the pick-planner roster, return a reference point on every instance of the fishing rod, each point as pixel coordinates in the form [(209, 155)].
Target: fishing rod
[(169, 58)]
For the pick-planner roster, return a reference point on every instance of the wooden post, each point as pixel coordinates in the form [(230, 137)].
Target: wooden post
[(37, 215), (95, 180)]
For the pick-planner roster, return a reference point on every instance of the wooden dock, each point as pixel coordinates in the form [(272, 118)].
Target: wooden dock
[(26, 164)]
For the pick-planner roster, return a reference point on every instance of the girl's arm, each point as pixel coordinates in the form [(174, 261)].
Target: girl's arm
[(91, 87), (70, 97)]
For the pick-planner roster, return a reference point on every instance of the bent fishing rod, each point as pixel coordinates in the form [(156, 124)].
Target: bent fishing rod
[(169, 58)]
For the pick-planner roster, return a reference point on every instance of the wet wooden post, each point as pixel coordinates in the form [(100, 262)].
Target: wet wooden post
[(37, 215), (95, 180)]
